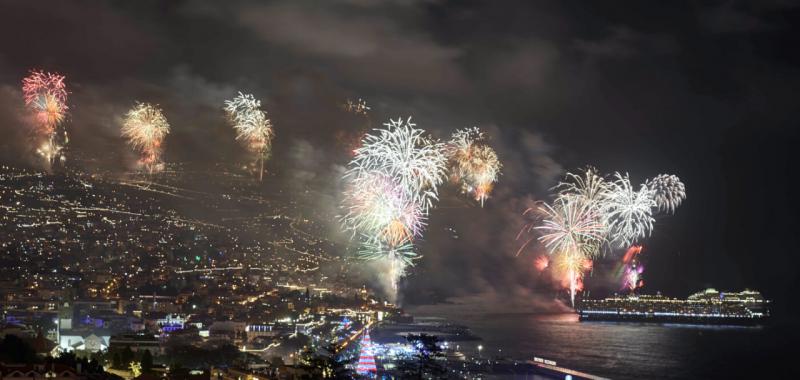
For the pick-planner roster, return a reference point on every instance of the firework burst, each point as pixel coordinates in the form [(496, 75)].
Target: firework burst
[(590, 212), (668, 191), (570, 225), (391, 185), (407, 155), (45, 95), (49, 111), (474, 165), (145, 127), (589, 187), (376, 206), (40, 83), (252, 126), (627, 212)]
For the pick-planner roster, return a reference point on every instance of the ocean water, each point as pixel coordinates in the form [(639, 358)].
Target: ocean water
[(636, 350)]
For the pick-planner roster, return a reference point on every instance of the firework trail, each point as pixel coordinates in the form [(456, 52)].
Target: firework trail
[(252, 126), (45, 96), (627, 212), (590, 212), (145, 127), (391, 185), (474, 165), (668, 190), (631, 253), (631, 269), (350, 139), (590, 188)]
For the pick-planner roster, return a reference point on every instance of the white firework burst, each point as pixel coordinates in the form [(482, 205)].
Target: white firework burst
[(406, 154), (668, 192), (252, 126), (627, 212), (590, 187), (376, 207), (571, 225), (392, 183)]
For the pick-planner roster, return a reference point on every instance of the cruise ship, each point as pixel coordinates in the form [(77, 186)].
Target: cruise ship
[(706, 307)]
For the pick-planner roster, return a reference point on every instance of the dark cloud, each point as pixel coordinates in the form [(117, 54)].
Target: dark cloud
[(13, 122), (526, 65), (372, 47), (622, 43)]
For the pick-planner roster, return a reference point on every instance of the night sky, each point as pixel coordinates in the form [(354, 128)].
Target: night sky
[(705, 91)]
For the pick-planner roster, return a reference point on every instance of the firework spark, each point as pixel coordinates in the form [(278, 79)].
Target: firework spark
[(351, 138), (668, 192), (252, 126), (145, 127), (358, 107), (628, 212), (45, 96), (474, 165)]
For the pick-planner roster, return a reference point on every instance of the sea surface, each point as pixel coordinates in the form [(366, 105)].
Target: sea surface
[(634, 350)]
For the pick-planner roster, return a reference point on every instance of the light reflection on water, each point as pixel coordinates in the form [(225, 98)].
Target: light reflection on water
[(623, 350)]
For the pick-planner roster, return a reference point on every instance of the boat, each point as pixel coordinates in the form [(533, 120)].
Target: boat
[(706, 307)]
